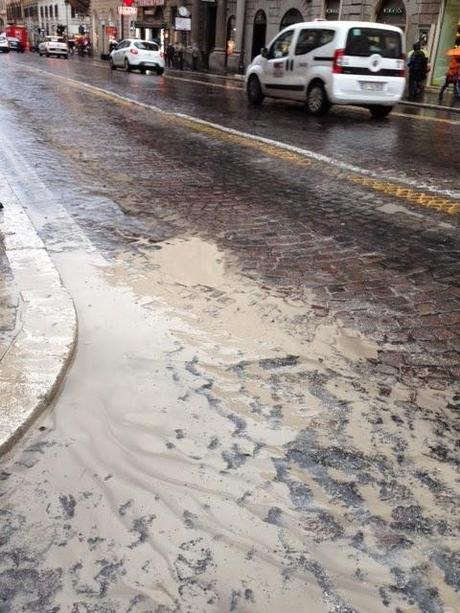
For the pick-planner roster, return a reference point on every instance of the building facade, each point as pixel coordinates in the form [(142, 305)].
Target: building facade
[(231, 32), (2, 15), (253, 23), (42, 17)]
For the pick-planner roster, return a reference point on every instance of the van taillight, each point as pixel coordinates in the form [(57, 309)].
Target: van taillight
[(402, 72), (337, 66), (134, 51)]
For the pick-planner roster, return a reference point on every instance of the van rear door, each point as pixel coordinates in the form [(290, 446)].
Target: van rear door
[(373, 51)]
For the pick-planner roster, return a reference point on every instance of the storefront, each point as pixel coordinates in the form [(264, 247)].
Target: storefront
[(332, 10), (259, 33), (150, 23), (393, 13), (449, 36), (290, 18)]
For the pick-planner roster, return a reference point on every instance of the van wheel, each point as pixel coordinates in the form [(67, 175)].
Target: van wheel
[(317, 101), (380, 112), (127, 65), (254, 91), (160, 71)]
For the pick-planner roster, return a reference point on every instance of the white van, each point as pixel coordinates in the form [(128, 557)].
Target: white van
[(332, 62)]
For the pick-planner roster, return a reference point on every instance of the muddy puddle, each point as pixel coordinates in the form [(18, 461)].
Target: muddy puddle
[(209, 452)]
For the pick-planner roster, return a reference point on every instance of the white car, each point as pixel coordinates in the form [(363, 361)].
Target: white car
[(4, 45), (140, 54), (332, 62), (53, 45)]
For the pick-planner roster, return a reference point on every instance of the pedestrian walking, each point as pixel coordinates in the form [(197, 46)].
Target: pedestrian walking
[(418, 69), (195, 56), (112, 44), (170, 55), (180, 56), (452, 77)]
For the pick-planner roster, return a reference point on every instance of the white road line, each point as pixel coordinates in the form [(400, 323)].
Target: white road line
[(307, 153)]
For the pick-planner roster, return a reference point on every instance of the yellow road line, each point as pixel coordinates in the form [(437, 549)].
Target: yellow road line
[(444, 205), (413, 196)]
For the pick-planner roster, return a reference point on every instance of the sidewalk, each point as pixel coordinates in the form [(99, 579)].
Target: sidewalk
[(37, 322), (430, 99)]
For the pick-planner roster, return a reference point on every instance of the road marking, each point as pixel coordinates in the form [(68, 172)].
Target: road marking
[(444, 205), (421, 194), (207, 83)]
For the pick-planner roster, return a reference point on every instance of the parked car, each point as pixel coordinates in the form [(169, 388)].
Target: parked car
[(53, 45), (141, 54), (15, 44), (4, 45), (332, 62)]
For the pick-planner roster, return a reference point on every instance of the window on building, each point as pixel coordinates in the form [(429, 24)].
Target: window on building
[(259, 32), (41, 12), (332, 10), (56, 11), (46, 12), (73, 12), (290, 18)]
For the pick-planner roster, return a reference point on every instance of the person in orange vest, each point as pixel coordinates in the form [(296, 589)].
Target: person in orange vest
[(452, 77)]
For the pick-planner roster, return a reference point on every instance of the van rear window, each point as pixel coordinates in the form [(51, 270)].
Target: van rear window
[(363, 42)]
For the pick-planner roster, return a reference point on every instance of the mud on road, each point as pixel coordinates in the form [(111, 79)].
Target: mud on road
[(262, 408)]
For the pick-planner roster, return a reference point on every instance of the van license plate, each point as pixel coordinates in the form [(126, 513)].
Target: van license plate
[(371, 86)]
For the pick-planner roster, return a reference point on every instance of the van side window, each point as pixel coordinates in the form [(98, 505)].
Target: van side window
[(307, 41), (325, 37), (280, 47), (310, 39)]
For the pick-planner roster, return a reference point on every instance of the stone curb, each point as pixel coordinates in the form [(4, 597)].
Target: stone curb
[(36, 361), (429, 105)]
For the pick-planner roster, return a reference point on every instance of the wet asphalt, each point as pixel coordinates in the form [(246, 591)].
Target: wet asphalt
[(263, 406)]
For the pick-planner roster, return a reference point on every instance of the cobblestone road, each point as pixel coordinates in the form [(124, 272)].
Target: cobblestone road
[(311, 398)]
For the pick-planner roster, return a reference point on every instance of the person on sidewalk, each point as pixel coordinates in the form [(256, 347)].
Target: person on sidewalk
[(170, 55), (452, 77), (195, 56), (112, 44), (180, 56), (418, 69)]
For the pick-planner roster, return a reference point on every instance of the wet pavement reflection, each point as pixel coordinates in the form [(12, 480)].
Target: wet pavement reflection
[(421, 149), (261, 409)]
